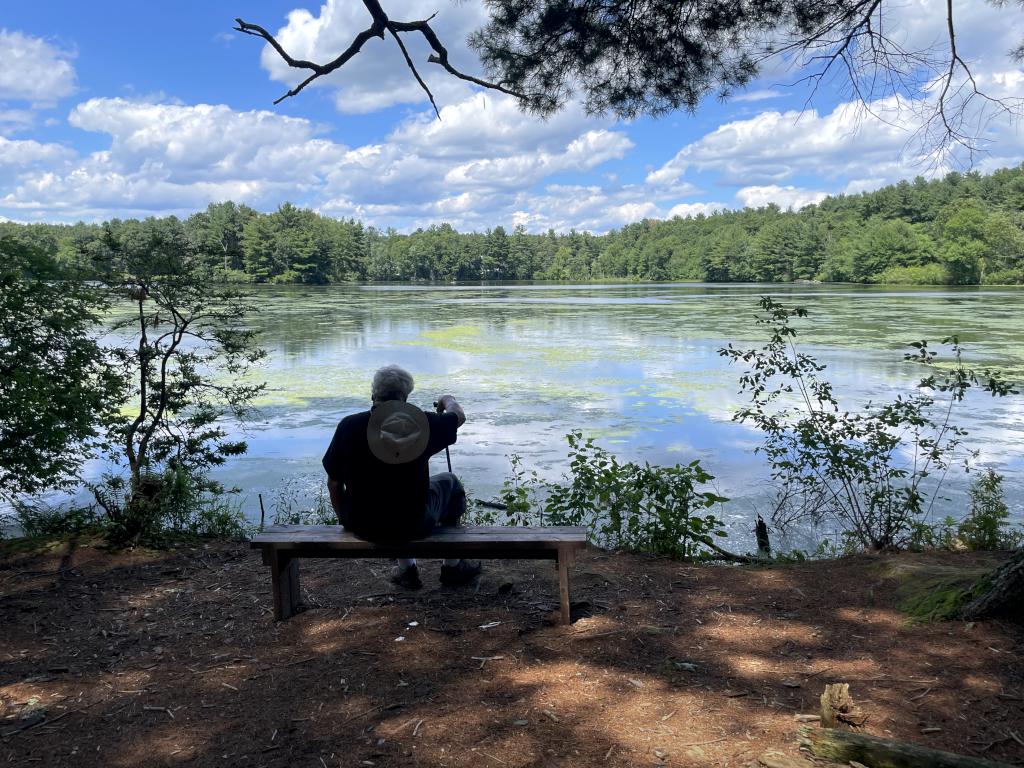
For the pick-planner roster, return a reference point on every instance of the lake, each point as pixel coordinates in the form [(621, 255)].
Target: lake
[(636, 366)]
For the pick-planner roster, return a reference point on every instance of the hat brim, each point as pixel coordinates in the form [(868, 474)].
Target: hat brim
[(410, 444)]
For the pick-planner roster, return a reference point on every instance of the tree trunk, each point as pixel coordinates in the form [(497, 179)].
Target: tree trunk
[(838, 709), (1001, 593), (764, 544)]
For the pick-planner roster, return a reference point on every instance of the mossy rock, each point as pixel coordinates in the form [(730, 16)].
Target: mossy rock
[(928, 590)]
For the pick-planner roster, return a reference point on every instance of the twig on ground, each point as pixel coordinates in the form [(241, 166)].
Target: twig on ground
[(702, 743), (24, 728)]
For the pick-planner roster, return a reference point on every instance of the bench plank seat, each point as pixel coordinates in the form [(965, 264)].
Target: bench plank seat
[(283, 545)]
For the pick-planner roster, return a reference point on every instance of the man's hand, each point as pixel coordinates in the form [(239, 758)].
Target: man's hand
[(449, 403)]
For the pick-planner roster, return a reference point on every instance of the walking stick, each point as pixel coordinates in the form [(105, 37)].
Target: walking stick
[(447, 455)]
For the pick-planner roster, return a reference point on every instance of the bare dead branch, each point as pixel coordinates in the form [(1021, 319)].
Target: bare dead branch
[(936, 84), (319, 70), (381, 24), (412, 66)]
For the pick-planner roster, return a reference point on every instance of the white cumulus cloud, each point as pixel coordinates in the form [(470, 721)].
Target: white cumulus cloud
[(168, 158), (378, 77), (175, 158), (758, 94), (204, 141), (773, 146), (788, 197), (27, 153), (689, 210), (515, 171), (33, 69)]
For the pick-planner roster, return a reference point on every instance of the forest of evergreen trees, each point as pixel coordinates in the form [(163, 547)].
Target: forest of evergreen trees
[(963, 229)]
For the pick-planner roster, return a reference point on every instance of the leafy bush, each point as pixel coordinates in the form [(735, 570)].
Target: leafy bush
[(478, 514), (228, 275), (846, 468), (43, 521), (185, 349), (289, 509), (57, 384), (519, 492), (924, 274), (1012, 276), (217, 518), (940, 535), (163, 507), (638, 507), (983, 528)]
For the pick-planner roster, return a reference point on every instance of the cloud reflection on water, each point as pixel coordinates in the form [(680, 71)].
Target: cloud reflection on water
[(636, 366)]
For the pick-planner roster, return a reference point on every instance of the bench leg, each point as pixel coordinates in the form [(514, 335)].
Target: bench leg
[(564, 559), (284, 574)]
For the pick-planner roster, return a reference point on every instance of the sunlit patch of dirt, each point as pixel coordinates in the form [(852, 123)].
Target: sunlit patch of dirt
[(173, 659)]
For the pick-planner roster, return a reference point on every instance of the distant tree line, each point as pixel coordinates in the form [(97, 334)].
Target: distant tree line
[(963, 229)]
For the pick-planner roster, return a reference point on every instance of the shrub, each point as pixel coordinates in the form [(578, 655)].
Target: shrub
[(43, 521), (177, 502), (1013, 276), (924, 274), (290, 509), (846, 468), (983, 528), (217, 518), (940, 535), (479, 514), (638, 507), (519, 493), (186, 347), (57, 384)]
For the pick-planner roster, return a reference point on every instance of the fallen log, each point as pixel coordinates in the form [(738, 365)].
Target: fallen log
[(846, 746)]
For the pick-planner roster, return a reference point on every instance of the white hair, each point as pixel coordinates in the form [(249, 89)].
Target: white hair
[(391, 383)]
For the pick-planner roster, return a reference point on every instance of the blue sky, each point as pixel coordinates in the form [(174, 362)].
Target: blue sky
[(126, 109)]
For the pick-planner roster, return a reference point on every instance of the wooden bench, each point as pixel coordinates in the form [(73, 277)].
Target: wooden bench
[(283, 545)]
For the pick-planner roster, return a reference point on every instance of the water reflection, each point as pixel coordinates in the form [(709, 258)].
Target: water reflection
[(634, 365)]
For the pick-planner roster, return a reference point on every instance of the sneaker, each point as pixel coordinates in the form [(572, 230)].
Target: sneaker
[(407, 578), (461, 573)]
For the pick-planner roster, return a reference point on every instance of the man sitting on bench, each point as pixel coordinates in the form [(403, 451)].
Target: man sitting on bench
[(379, 479)]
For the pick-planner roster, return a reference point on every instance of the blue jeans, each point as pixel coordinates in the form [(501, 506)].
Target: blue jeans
[(446, 500)]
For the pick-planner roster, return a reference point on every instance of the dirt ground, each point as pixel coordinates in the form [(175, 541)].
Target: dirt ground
[(174, 659)]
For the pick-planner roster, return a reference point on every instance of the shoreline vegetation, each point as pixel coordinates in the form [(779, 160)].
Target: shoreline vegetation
[(152, 405), (963, 229), (837, 470)]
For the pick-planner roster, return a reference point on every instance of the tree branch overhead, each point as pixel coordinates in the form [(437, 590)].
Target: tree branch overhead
[(381, 24), (651, 57)]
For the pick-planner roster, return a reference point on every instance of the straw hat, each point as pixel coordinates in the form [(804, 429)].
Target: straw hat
[(398, 432)]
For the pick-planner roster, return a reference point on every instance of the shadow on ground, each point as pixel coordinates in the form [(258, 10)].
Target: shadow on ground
[(173, 659)]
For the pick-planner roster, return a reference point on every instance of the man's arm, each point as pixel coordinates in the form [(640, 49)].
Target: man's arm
[(449, 403), (335, 489)]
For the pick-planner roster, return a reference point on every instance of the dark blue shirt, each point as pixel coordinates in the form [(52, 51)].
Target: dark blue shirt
[(383, 501)]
